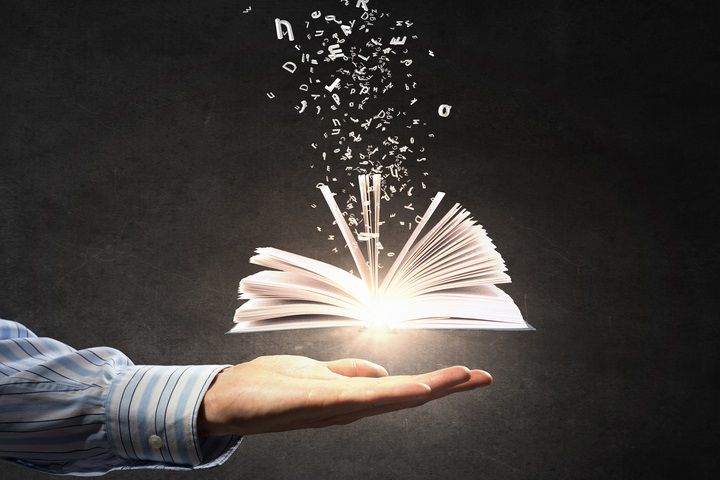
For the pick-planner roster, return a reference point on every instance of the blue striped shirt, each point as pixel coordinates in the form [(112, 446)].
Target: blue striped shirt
[(86, 412)]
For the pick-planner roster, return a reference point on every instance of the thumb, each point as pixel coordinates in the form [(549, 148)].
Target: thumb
[(355, 367)]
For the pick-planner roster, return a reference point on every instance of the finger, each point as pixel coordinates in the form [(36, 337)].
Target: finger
[(445, 378), (478, 378), (355, 367), (368, 392), (363, 392), (347, 417), (341, 398), (362, 396)]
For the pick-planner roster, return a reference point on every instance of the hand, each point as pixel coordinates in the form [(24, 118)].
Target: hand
[(279, 393)]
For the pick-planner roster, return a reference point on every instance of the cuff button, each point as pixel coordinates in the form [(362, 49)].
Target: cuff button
[(155, 442)]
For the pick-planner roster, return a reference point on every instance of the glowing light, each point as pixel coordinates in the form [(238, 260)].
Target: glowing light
[(383, 315)]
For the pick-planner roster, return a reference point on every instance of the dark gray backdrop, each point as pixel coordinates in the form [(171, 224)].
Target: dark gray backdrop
[(142, 163)]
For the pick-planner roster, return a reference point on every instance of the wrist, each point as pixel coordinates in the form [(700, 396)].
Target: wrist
[(209, 422)]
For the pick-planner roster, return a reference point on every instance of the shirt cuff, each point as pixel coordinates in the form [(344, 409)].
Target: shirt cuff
[(151, 417)]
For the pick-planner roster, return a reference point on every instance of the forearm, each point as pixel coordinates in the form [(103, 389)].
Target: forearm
[(91, 411)]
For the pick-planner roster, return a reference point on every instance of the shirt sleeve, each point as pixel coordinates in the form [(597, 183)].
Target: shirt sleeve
[(87, 412)]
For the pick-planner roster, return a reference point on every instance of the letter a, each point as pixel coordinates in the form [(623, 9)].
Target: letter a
[(444, 110), (278, 28)]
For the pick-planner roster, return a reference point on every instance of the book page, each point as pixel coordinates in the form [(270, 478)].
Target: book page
[(291, 321), (348, 236), (456, 252), (403, 253), (311, 268), (294, 286), (484, 307)]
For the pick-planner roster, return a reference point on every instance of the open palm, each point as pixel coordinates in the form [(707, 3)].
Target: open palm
[(278, 393)]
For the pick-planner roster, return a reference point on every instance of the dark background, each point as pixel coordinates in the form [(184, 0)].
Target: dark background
[(142, 163)]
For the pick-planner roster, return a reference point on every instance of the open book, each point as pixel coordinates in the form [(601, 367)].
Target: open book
[(442, 280)]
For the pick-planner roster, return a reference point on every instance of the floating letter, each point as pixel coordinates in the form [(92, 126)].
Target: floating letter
[(333, 86), (278, 29), (334, 51)]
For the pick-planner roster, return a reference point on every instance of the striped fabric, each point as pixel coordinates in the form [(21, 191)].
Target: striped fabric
[(86, 412)]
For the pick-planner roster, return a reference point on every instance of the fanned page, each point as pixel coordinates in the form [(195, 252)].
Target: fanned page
[(311, 268), (300, 322), (444, 279), (455, 253), (303, 287)]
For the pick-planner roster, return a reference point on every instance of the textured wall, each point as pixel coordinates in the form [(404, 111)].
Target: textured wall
[(142, 163)]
